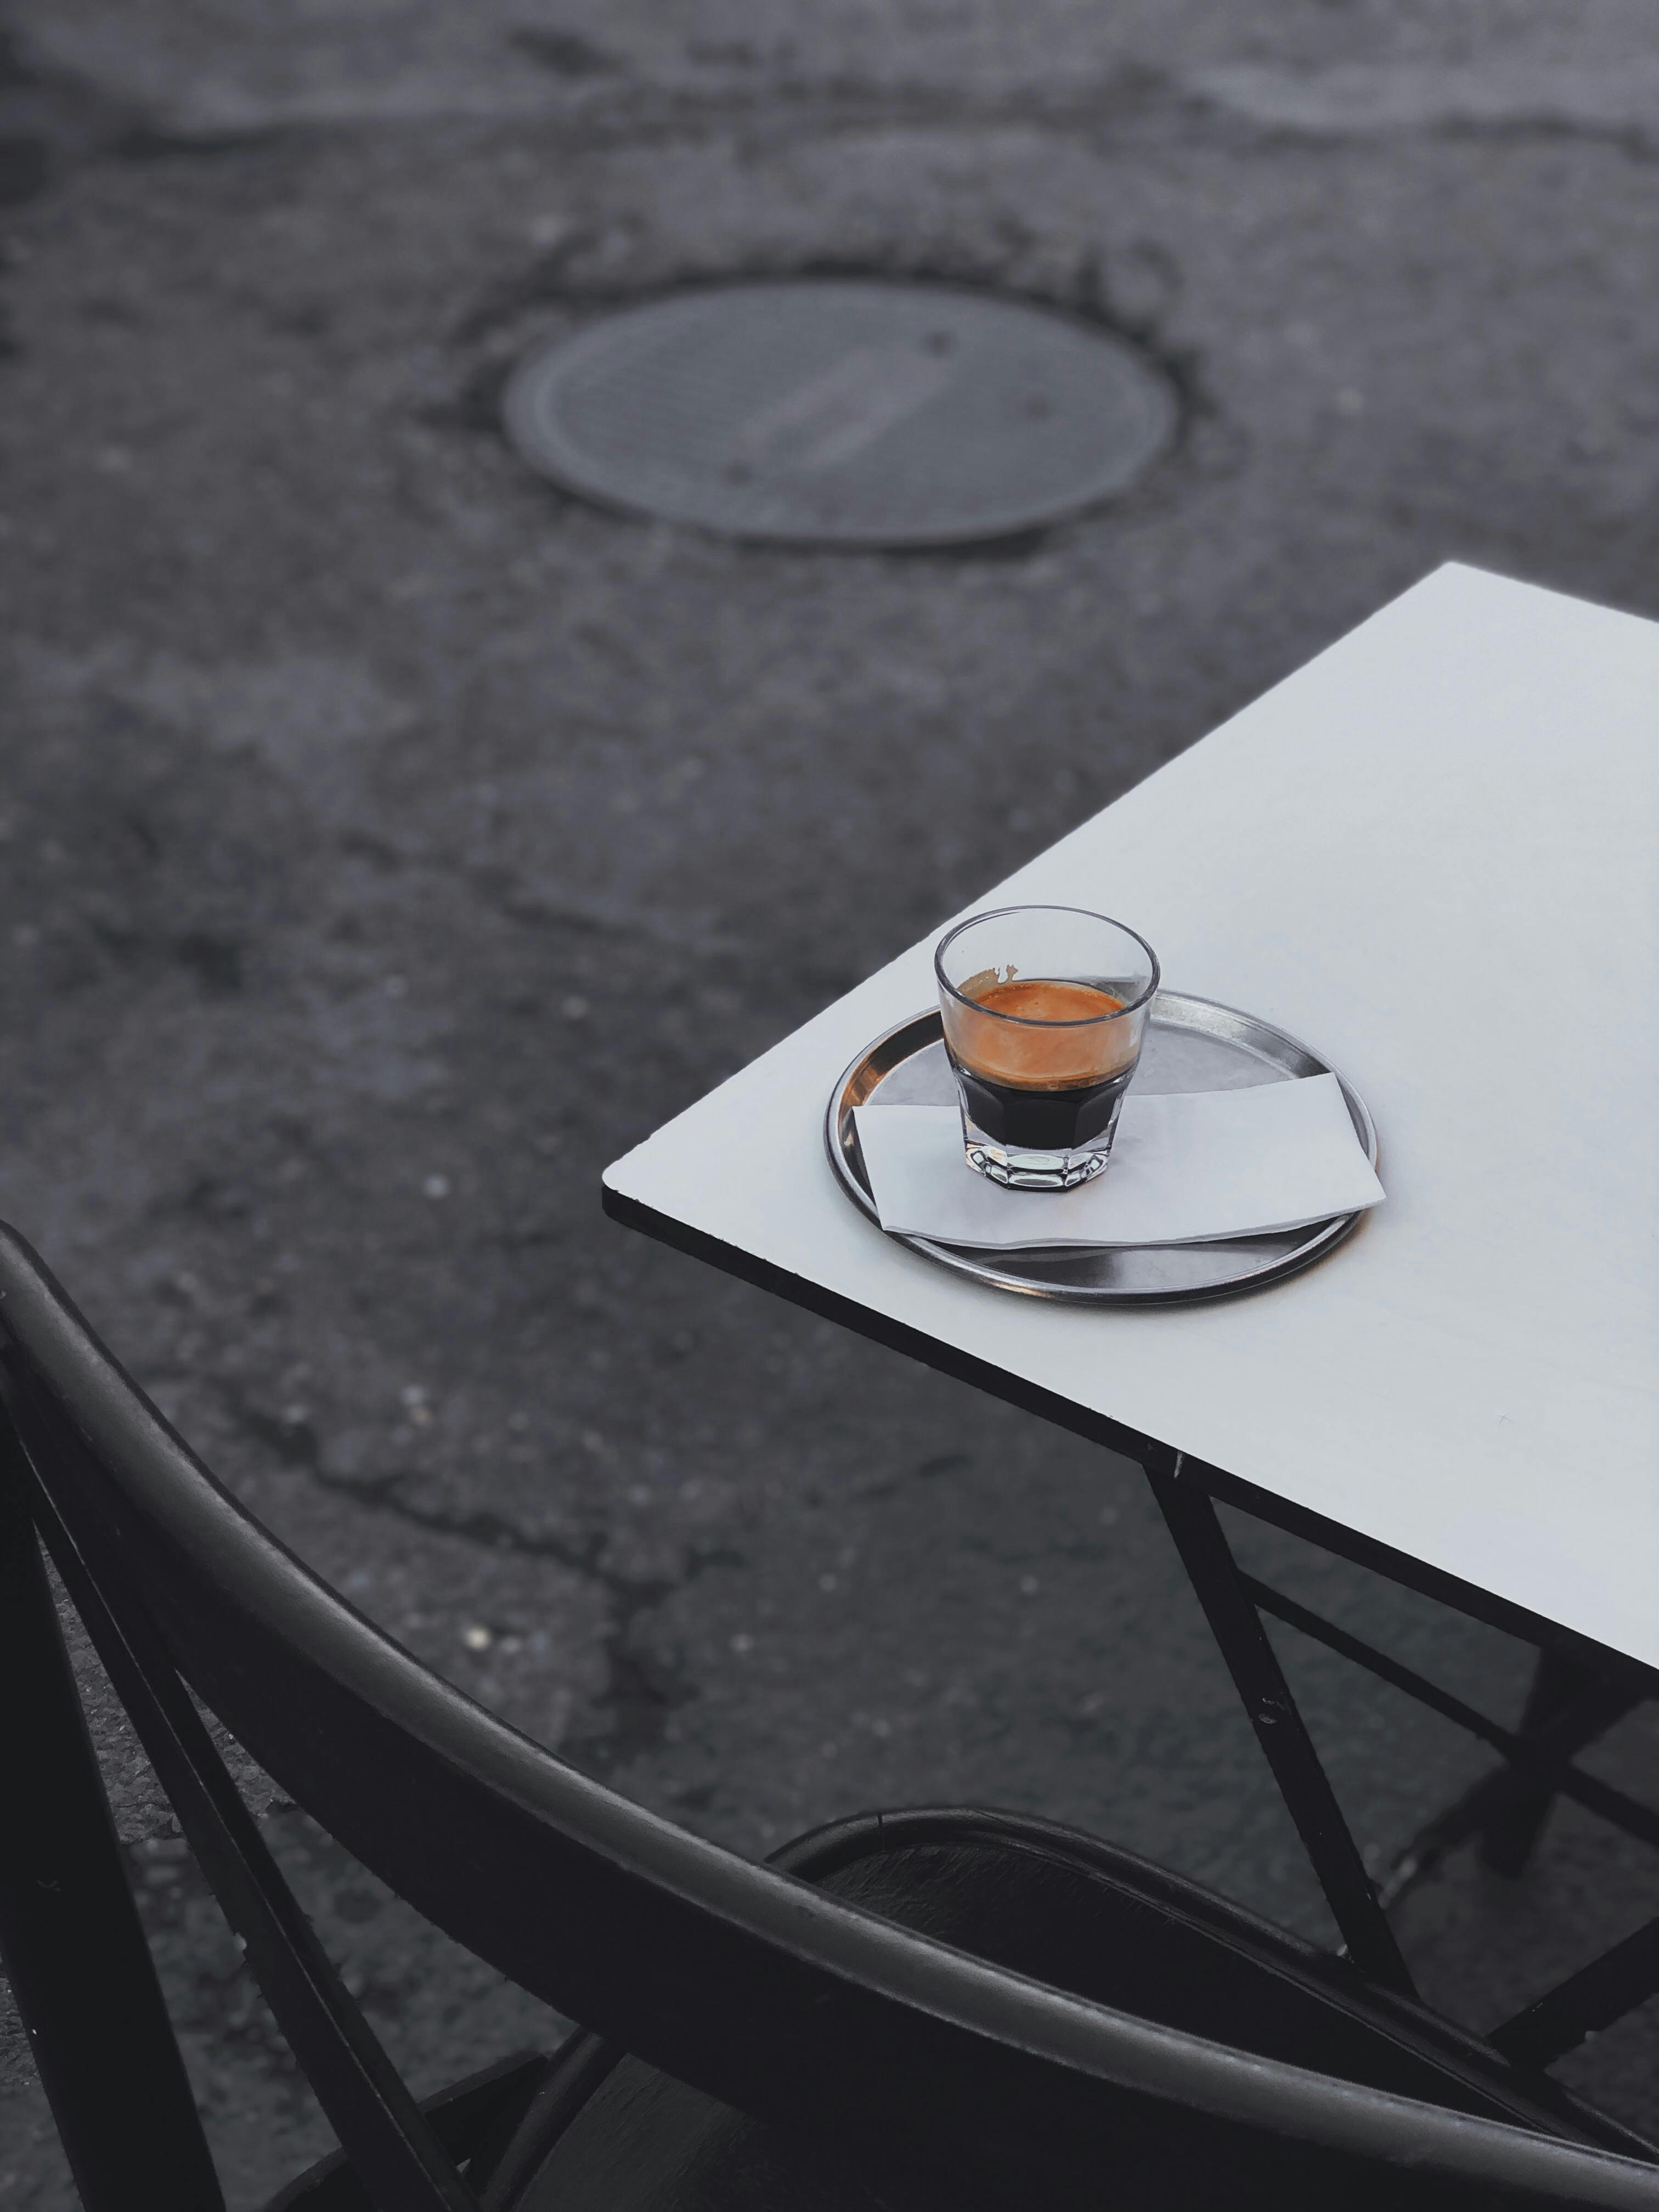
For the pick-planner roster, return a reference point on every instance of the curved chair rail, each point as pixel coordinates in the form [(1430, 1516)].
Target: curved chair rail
[(736, 1977)]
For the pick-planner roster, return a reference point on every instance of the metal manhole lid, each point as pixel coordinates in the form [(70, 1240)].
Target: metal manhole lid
[(833, 413)]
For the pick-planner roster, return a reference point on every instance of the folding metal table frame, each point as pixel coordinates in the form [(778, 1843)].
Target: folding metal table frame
[(1579, 1689)]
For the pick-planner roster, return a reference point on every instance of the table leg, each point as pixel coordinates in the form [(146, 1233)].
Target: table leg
[(1507, 1840), (1552, 1745), (1587, 2002), (1260, 1681)]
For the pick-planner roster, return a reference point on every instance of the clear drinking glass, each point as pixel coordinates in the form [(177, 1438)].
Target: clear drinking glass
[(1044, 1010)]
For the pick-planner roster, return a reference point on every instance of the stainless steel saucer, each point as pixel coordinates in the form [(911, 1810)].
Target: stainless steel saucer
[(1191, 1044)]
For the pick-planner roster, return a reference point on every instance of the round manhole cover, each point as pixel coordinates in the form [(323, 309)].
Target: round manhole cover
[(842, 414)]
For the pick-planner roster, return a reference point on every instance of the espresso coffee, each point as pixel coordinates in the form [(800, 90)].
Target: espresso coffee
[(1041, 1067)]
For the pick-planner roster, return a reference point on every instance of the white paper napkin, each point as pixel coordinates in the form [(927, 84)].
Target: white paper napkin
[(1185, 1169)]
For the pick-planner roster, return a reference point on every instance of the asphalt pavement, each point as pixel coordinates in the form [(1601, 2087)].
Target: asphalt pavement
[(390, 841)]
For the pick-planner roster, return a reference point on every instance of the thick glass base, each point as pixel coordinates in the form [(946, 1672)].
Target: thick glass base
[(1026, 1171)]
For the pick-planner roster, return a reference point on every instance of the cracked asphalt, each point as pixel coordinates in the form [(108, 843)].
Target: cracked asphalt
[(389, 841)]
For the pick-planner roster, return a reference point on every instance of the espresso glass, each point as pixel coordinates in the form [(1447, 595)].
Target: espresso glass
[(1044, 1009)]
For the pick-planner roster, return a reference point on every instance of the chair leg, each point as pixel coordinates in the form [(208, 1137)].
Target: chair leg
[(1507, 1841), (80, 1970), (473, 2119)]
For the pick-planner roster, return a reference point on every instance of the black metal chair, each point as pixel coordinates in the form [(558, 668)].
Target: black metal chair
[(903, 2012)]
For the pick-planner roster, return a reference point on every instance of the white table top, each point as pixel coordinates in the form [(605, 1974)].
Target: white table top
[(1434, 854)]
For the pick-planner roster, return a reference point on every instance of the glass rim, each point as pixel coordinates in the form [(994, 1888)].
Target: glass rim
[(1031, 1021)]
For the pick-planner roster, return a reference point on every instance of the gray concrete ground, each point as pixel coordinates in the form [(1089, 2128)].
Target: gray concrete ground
[(390, 841)]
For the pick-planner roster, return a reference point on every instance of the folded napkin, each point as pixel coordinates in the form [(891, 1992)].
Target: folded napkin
[(1185, 1169)]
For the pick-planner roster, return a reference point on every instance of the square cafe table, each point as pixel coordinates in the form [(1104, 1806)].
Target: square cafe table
[(1433, 854)]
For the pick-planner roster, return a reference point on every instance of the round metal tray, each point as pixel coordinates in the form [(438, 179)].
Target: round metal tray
[(1191, 1044)]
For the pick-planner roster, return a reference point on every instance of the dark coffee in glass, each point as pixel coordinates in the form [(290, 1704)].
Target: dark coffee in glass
[(1044, 1009)]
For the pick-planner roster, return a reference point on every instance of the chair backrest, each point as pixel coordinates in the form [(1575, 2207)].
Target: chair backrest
[(777, 1997)]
